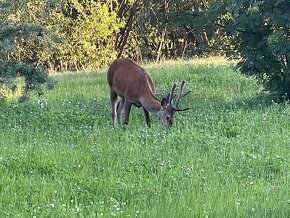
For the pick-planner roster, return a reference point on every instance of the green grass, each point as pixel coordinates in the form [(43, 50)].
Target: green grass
[(228, 156)]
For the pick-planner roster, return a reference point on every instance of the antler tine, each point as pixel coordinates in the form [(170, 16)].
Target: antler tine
[(172, 95), (181, 95)]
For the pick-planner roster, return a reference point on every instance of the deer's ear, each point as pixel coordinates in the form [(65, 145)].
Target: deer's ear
[(164, 102)]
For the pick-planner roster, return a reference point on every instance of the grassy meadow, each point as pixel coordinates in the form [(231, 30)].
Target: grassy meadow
[(228, 156)]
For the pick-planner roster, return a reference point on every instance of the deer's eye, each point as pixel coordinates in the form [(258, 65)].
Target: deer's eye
[(167, 118)]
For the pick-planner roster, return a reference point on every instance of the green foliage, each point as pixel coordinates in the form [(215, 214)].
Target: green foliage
[(78, 34), (170, 29), (72, 34), (87, 29), (61, 35), (261, 34), (18, 56), (228, 156)]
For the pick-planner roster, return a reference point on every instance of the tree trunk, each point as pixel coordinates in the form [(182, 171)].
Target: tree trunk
[(127, 29), (159, 52), (184, 48)]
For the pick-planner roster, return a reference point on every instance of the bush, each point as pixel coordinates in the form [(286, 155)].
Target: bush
[(260, 32), (18, 56)]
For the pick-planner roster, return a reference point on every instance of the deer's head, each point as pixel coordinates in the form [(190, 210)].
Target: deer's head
[(167, 111)]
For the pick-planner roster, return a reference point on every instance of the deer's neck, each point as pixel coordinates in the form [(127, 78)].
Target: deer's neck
[(151, 104)]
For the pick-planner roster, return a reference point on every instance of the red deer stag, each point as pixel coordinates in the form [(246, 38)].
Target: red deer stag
[(134, 86)]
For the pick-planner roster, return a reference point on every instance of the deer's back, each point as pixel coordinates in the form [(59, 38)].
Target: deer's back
[(129, 80)]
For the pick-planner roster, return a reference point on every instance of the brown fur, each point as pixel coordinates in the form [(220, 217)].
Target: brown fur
[(133, 85), (129, 80)]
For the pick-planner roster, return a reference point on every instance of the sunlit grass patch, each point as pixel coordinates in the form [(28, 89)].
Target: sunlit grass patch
[(10, 95), (198, 61)]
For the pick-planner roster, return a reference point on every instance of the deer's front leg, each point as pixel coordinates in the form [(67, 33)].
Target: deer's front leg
[(128, 106), (147, 117)]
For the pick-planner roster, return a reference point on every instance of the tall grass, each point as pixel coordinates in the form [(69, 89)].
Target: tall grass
[(228, 156)]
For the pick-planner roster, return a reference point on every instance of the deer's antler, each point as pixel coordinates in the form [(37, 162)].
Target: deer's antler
[(181, 95), (171, 95)]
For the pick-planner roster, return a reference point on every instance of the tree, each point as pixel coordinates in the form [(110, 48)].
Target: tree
[(174, 28), (164, 29), (17, 34), (260, 31), (87, 30)]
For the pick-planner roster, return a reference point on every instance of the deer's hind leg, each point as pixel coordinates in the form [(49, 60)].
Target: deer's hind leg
[(120, 107), (114, 98)]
